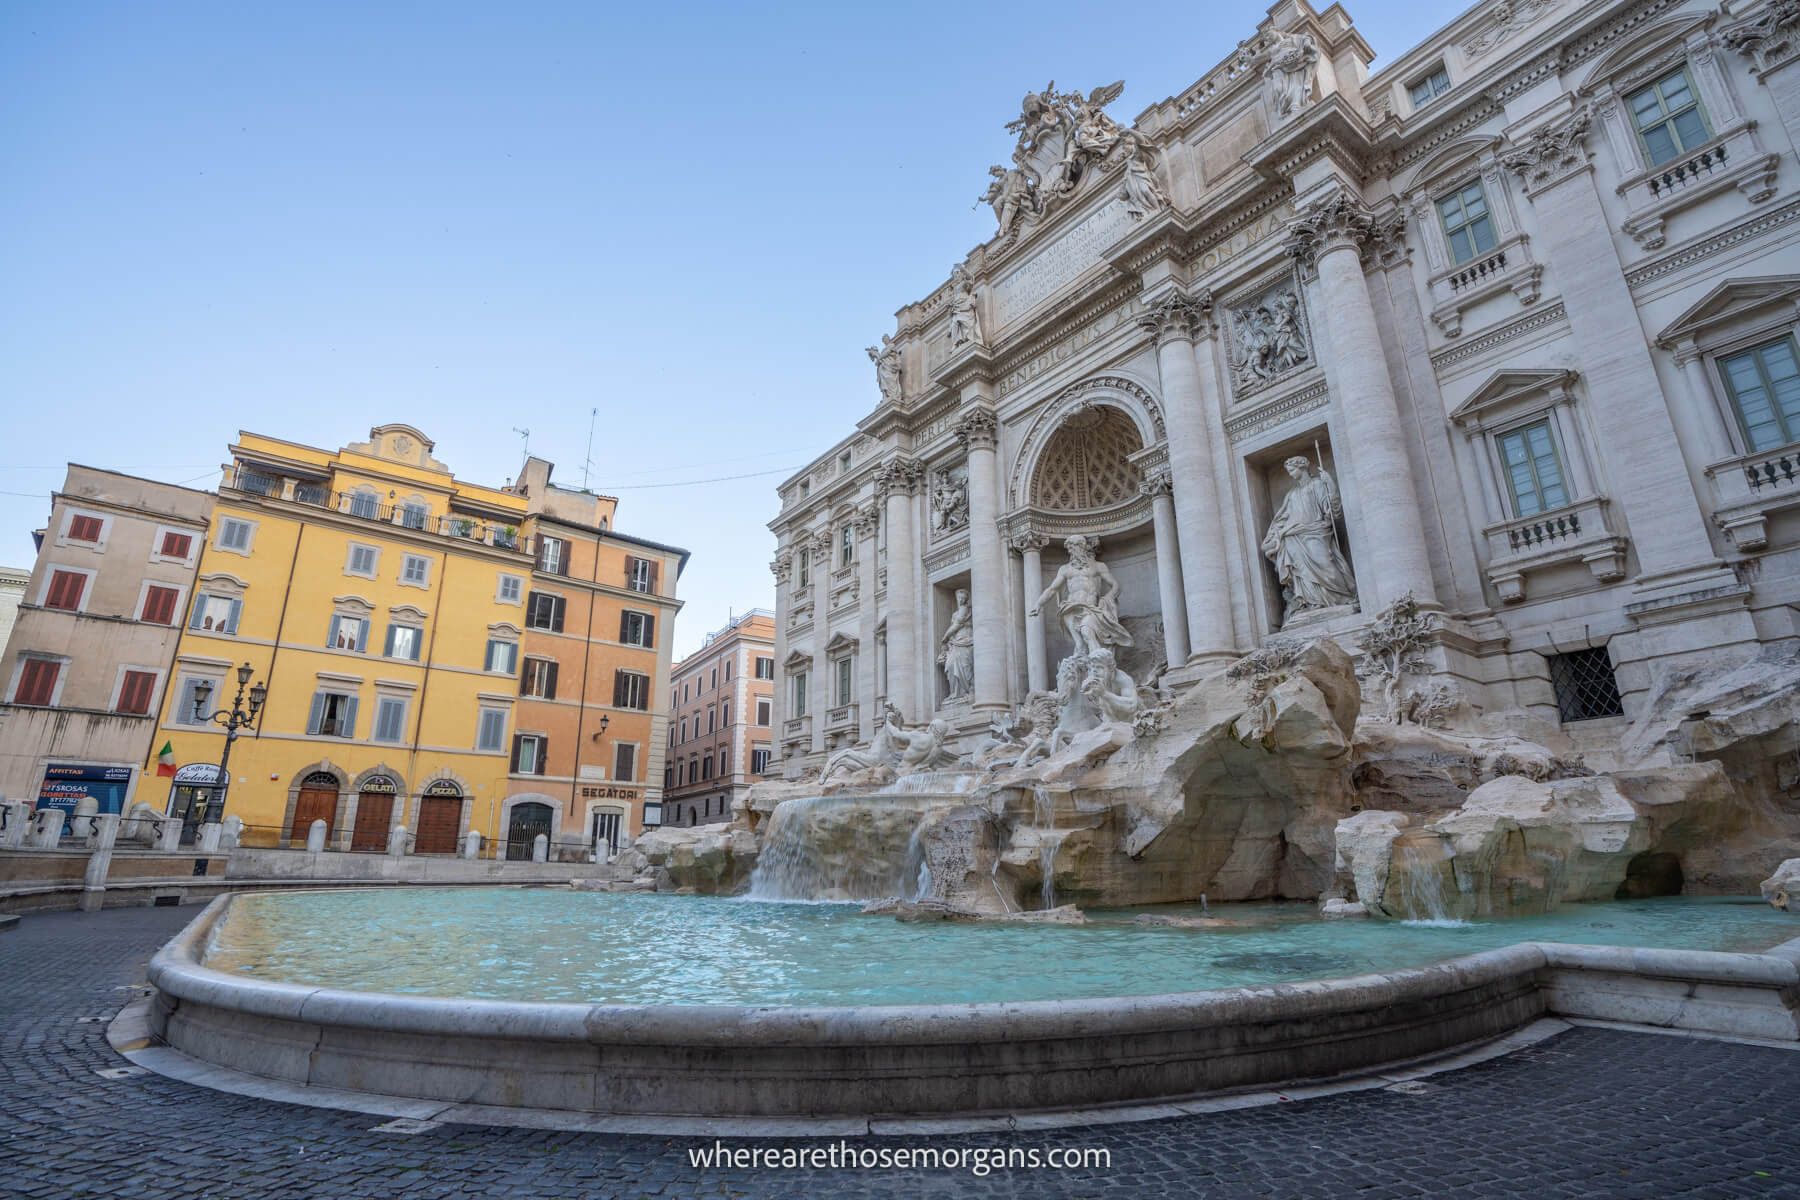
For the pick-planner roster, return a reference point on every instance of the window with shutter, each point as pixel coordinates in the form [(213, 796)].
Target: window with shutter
[(37, 681), (176, 545), (625, 762), (159, 605), (491, 732), (85, 528), (390, 719), (135, 691), (65, 590)]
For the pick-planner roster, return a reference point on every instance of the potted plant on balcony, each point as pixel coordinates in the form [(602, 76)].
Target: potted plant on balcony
[(507, 536), (461, 527)]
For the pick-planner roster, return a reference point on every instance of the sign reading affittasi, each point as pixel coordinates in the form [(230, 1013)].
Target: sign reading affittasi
[(67, 784)]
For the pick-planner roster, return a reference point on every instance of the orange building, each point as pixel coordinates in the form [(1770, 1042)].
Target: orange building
[(588, 743), (721, 716)]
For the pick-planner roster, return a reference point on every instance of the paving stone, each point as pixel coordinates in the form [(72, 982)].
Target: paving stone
[(1590, 1112)]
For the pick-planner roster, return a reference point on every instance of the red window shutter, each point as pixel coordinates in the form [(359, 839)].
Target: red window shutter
[(653, 564), (159, 605), (84, 529), (65, 590), (134, 693), (176, 545), (37, 682)]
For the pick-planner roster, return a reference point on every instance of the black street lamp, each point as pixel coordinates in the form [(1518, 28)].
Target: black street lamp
[(238, 718)]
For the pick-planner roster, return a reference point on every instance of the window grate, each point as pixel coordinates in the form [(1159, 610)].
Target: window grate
[(1586, 688)]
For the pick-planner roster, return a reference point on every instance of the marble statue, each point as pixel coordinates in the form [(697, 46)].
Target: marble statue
[(965, 324), (1087, 598), (949, 500), (1061, 135), (1302, 542), (1290, 68), (1010, 195), (1143, 195), (1394, 647), (927, 749), (886, 358), (1111, 694), (956, 649), (881, 754)]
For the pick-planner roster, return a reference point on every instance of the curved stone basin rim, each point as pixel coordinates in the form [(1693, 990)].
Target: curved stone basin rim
[(743, 1060)]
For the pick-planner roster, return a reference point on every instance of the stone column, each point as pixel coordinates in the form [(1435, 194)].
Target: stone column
[(987, 564), (1703, 422), (99, 863), (818, 697), (1170, 586), (15, 816), (895, 484), (1630, 413), (1031, 577), (866, 551), (1199, 523), (782, 567), (1393, 558)]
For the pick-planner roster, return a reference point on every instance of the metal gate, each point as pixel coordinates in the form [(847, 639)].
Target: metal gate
[(608, 824), (527, 821)]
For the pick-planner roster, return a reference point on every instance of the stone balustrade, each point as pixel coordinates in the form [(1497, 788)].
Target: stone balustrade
[(1733, 159), (1748, 488), (1575, 533)]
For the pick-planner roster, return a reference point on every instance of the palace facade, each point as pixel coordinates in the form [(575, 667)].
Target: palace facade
[(1507, 325)]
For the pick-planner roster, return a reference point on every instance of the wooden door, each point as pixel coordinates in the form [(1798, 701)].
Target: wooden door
[(440, 820), (313, 804), (374, 815)]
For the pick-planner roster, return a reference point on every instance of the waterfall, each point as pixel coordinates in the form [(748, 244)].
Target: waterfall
[(934, 783), (1422, 891), (844, 848), (1048, 845)]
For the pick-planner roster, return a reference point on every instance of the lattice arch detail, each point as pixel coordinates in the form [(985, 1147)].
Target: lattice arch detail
[(1087, 463)]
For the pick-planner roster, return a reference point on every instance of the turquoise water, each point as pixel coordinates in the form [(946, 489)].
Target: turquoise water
[(522, 944)]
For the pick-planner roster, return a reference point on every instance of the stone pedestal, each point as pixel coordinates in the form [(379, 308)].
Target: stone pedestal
[(93, 879), (15, 822), (168, 834), (471, 847), (208, 840), (540, 848), (396, 847), (46, 828), (315, 837)]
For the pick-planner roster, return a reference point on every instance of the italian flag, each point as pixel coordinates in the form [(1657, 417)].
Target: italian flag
[(165, 759)]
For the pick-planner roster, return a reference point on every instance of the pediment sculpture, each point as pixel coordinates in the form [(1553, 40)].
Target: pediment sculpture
[(1062, 138)]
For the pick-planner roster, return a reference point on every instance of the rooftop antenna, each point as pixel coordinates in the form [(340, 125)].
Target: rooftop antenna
[(588, 460), (526, 435)]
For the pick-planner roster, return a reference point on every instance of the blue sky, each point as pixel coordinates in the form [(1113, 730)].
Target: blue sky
[(310, 219)]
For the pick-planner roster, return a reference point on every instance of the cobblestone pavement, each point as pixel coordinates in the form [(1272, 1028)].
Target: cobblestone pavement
[(1589, 1112)]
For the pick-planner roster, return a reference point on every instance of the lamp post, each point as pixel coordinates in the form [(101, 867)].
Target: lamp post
[(238, 718)]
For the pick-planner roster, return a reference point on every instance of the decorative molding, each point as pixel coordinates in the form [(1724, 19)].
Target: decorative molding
[(1552, 152), (978, 429), (1509, 19), (1157, 483), (1270, 338), (1769, 39), (1179, 317), (1028, 540), (1694, 252), (901, 474), (1336, 220), (1306, 400), (1102, 389), (1552, 315)]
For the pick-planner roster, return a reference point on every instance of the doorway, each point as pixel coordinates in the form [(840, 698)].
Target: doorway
[(527, 821), (316, 801)]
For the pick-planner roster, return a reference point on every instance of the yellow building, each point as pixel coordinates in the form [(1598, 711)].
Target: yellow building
[(383, 602)]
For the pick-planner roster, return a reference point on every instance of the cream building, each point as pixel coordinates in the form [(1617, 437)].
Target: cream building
[(12, 594), (1507, 324), (88, 659)]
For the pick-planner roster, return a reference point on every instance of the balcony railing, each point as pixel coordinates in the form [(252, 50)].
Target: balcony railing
[(1577, 533), (1685, 171), (1748, 488), (1478, 272), (365, 507)]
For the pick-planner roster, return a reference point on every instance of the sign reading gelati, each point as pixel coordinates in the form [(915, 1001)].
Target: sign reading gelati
[(207, 773), (380, 784), (68, 784), (611, 792)]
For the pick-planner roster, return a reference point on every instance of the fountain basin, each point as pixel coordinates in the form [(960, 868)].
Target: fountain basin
[(748, 1060)]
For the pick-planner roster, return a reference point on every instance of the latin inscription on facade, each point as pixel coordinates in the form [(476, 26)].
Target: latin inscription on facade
[(1059, 263)]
